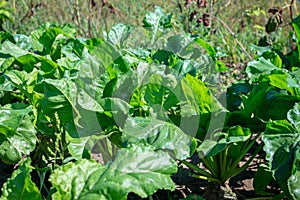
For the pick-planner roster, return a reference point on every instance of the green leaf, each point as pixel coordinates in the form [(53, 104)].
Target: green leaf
[(265, 102), (280, 149), (118, 34), (17, 133), (211, 148), (140, 170), (236, 135), (258, 67), (221, 67), (23, 41), (6, 63), (282, 145), (158, 90), (12, 49), (260, 184), (52, 35), (25, 82), (282, 80), (143, 172), (157, 19), (180, 44), (185, 67), (279, 127), (77, 146), (296, 25), (20, 185), (209, 49), (61, 97), (74, 50), (70, 179), (158, 134), (273, 57), (198, 95), (6, 36), (294, 116), (234, 95), (293, 184)]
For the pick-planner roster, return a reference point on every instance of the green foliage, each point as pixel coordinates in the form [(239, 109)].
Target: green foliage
[(20, 185), (144, 109), (222, 153), (5, 14), (281, 140), (18, 135), (143, 172)]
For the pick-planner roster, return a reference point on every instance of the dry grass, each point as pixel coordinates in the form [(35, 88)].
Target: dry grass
[(245, 18)]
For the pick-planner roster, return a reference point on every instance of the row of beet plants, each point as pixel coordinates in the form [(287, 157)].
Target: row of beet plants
[(144, 107)]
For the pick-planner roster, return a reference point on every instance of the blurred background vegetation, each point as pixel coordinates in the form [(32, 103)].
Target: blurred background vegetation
[(230, 25)]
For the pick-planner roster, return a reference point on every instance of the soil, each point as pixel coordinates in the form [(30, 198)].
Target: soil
[(5, 173)]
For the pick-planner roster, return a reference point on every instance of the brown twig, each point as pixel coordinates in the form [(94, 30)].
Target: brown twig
[(291, 10), (233, 34), (211, 12), (179, 6), (293, 45), (291, 13), (89, 18)]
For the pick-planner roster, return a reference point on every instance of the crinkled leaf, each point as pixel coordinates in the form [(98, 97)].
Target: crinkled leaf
[(118, 34), (20, 185), (52, 33), (70, 179), (282, 148), (136, 169), (294, 116), (17, 133), (258, 67), (293, 184), (74, 49), (140, 170), (23, 41), (157, 19), (12, 49), (159, 134), (180, 44), (265, 102)]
